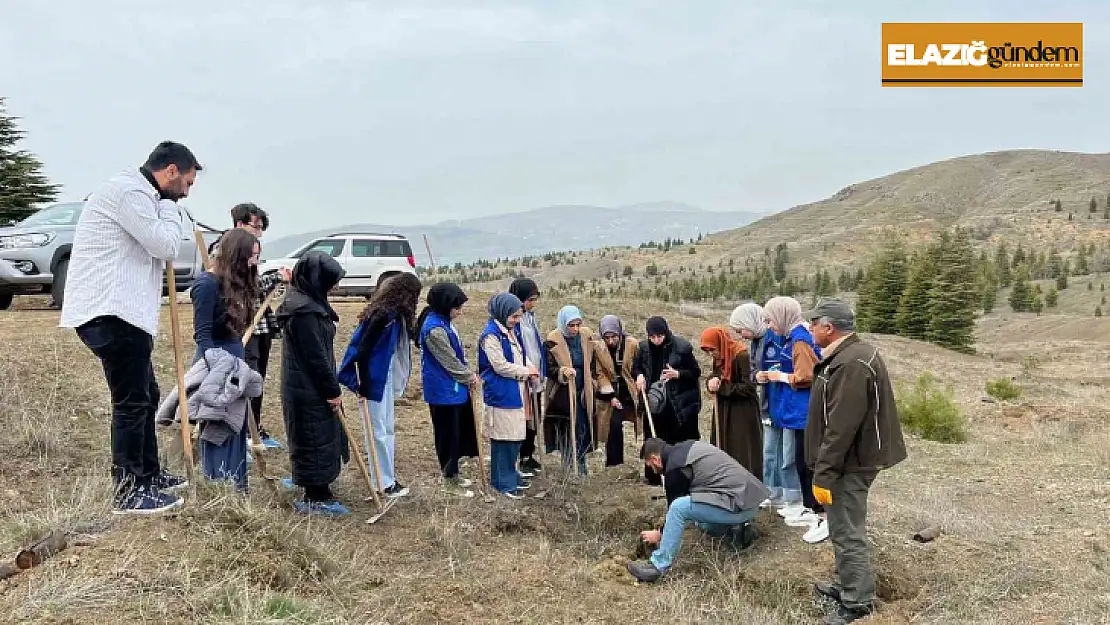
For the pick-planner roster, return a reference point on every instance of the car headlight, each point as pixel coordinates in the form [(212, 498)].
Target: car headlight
[(35, 239)]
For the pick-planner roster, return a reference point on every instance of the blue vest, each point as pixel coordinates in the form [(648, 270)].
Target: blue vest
[(497, 391), (381, 357), (518, 330), (440, 389), (788, 406)]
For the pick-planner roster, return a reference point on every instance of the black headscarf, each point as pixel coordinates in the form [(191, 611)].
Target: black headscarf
[(442, 298), (315, 274), (657, 326), (523, 288)]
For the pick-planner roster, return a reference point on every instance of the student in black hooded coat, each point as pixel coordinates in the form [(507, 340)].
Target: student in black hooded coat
[(665, 355), (309, 388)]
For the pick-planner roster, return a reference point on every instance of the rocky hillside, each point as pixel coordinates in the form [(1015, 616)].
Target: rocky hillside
[(1008, 196)]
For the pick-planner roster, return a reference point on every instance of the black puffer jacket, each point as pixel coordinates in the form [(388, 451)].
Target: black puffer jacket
[(317, 442), (684, 393)]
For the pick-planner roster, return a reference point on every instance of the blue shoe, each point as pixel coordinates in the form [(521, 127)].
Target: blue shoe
[(270, 442), (287, 482), (147, 501), (322, 508), (250, 457)]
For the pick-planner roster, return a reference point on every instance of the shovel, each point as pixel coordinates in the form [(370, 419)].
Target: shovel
[(476, 408), (340, 414)]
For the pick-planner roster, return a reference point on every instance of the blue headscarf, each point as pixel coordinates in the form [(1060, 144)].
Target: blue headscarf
[(502, 306), (566, 315)]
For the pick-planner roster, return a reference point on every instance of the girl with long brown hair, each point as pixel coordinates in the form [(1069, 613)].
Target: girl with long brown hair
[(378, 363), (224, 300), (224, 297)]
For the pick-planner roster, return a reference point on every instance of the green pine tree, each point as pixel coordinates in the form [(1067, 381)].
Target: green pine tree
[(1062, 277), (1098, 311), (23, 186), (1094, 204), (953, 299), (881, 290), (912, 318), (1051, 298), (1059, 207), (1038, 304), (1021, 296), (1082, 267), (1002, 263), (1018, 257)]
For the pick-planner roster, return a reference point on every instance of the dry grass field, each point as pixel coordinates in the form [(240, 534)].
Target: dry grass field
[(1023, 505)]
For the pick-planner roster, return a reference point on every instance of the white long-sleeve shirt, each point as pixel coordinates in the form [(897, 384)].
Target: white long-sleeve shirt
[(125, 234)]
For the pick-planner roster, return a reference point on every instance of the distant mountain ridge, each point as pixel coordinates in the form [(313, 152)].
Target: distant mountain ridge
[(541, 230)]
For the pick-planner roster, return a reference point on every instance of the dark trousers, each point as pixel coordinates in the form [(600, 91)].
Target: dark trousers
[(528, 445), (614, 446), (446, 427), (125, 354), (257, 357), (805, 476)]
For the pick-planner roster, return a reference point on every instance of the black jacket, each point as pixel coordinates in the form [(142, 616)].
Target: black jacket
[(684, 393), (317, 442)]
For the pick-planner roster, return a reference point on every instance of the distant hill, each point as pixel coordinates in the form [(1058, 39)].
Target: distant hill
[(542, 230), (1006, 196)]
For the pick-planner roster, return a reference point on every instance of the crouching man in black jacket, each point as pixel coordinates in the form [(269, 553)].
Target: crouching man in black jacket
[(704, 485)]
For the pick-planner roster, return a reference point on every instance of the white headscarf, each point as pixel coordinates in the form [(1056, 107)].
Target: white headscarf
[(748, 317)]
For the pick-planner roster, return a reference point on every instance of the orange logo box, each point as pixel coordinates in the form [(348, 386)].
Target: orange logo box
[(982, 55)]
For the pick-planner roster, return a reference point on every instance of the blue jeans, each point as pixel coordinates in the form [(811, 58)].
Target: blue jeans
[(503, 476), (780, 473), (710, 519)]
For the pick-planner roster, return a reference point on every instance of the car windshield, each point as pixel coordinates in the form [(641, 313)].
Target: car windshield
[(59, 215)]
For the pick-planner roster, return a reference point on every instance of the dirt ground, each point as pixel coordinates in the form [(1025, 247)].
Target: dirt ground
[(1023, 507)]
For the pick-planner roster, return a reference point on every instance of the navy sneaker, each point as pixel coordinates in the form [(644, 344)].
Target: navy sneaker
[(321, 508), (396, 491), (147, 501), (168, 482)]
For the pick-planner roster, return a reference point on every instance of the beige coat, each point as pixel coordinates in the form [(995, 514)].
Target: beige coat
[(606, 375), (558, 356), (506, 424)]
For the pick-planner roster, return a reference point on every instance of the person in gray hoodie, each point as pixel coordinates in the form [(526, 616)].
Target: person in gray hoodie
[(705, 486)]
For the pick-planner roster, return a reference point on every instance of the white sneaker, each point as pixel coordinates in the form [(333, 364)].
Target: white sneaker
[(772, 503), (791, 510), (808, 518), (818, 532)]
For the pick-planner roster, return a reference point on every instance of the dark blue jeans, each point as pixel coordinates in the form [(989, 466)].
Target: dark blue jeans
[(503, 476), (125, 354)]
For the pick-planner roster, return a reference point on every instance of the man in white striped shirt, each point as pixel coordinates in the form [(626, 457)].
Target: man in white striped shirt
[(129, 228)]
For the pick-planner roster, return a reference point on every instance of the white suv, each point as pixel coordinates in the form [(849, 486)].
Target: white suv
[(368, 257)]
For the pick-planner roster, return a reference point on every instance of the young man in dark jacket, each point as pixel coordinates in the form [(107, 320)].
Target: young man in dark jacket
[(705, 486), (852, 433)]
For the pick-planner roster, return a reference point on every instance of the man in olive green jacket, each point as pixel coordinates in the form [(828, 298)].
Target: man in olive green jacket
[(852, 433)]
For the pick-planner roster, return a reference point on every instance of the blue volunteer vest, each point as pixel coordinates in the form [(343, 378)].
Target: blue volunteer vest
[(440, 389), (380, 360), (790, 406), (498, 392)]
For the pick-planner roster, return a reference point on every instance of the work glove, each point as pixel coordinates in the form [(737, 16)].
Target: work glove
[(822, 495)]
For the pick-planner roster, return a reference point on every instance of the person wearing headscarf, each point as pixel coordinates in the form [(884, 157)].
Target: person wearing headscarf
[(310, 390), (747, 321), (530, 337), (613, 409), (737, 397), (448, 382), (504, 379), (788, 386), (572, 352), (377, 366), (667, 371)]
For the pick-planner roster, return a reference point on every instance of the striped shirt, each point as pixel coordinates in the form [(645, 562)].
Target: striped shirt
[(125, 234)]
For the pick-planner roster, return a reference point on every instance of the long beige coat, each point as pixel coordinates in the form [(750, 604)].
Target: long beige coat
[(555, 395), (506, 424), (606, 375)]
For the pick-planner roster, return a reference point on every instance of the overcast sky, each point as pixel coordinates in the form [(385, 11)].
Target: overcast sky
[(339, 111)]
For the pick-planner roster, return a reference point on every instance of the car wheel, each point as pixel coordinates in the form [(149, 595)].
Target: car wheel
[(6, 300), (58, 289)]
